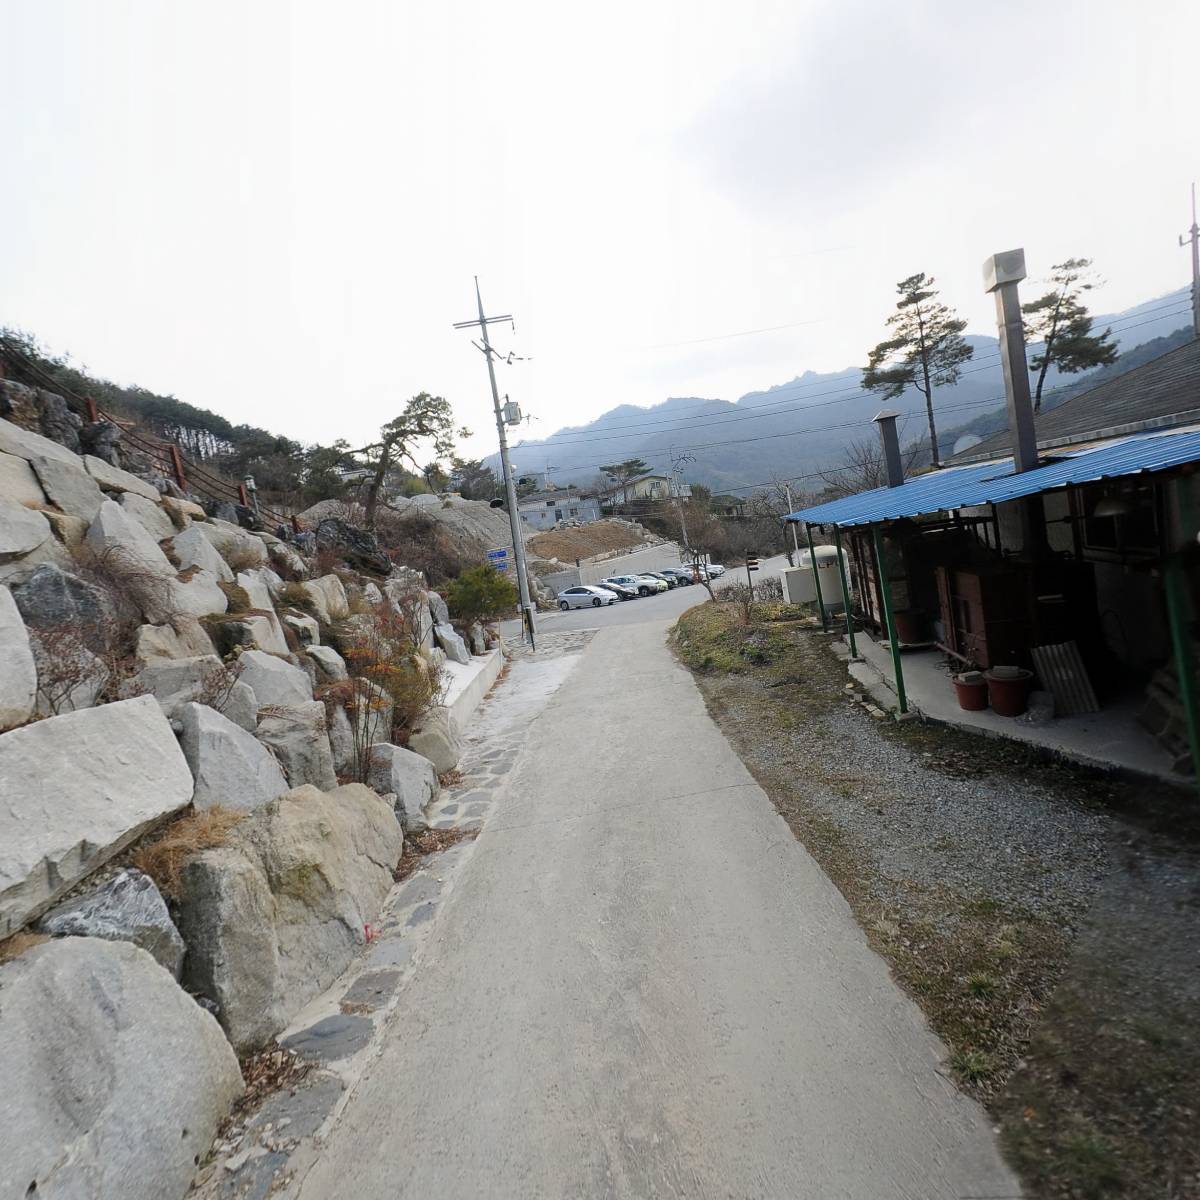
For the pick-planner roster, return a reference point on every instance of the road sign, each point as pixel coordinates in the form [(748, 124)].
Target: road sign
[(494, 554), (752, 562)]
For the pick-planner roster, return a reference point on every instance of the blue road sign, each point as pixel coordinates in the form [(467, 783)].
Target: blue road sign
[(497, 554)]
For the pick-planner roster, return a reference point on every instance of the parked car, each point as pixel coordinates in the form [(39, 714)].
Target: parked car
[(621, 593), (643, 587), (656, 584), (667, 579), (586, 595), (715, 570), (681, 575)]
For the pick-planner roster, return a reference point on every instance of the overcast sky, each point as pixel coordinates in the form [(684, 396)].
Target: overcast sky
[(274, 208)]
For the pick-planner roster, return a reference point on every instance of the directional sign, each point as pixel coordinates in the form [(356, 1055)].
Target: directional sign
[(494, 554), (752, 562)]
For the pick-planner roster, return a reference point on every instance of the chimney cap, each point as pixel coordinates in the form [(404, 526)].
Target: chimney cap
[(885, 414), (1006, 267)]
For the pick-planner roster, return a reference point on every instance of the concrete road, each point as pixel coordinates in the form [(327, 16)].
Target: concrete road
[(644, 986)]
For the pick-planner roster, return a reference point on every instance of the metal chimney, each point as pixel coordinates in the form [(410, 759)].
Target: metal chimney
[(1001, 274), (889, 439)]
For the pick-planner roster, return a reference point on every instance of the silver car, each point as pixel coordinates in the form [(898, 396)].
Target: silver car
[(585, 596)]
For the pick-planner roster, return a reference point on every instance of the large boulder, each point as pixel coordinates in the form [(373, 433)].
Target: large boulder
[(234, 544), (113, 479), (18, 483), (77, 790), (102, 439), (273, 680), (115, 1080), (18, 678), (27, 445), (150, 515), (19, 403), (70, 676), (327, 599), (438, 609), (192, 548), (127, 908), (304, 627), (199, 593), (115, 538), (438, 739), (21, 529), (359, 547), (407, 775), (184, 637), (297, 737), (341, 740), (331, 667), (58, 422), (236, 632), (453, 644), (272, 917), (230, 766), (256, 584), (69, 486), (52, 597), (205, 679)]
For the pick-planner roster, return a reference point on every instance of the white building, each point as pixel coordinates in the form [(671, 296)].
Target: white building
[(544, 510)]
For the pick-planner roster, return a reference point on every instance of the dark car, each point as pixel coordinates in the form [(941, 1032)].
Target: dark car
[(681, 575), (622, 593)]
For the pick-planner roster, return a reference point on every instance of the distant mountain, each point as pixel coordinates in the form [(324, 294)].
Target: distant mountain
[(804, 425)]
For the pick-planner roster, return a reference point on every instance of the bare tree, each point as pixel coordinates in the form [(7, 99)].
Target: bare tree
[(862, 468)]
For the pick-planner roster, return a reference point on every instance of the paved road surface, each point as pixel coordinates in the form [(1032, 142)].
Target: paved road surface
[(644, 986)]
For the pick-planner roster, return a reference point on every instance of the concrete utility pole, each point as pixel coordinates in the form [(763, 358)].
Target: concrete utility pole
[(677, 465), (510, 490), (787, 491), (1194, 238)]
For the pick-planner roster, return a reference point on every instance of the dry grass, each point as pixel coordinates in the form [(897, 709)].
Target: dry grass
[(163, 857), (600, 537), (417, 847), (16, 945)]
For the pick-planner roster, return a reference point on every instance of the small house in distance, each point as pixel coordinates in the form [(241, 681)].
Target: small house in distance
[(557, 506), (644, 489)]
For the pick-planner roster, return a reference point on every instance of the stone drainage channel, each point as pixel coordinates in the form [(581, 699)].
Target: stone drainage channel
[(268, 1152)]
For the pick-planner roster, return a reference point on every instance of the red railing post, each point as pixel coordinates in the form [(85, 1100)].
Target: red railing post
[(177, 467), (296, 524), (93, 413), (243, 495)]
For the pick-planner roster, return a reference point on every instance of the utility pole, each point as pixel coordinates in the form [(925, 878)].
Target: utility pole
[(1194, 238), (677, 465), (787, 491), (510, 489)]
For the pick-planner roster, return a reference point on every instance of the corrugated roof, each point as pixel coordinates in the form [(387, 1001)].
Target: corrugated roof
[(1155, 392), (994, 482), (933, 492)]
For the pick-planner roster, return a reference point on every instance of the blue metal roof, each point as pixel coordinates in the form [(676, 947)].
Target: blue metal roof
[(994, 482)]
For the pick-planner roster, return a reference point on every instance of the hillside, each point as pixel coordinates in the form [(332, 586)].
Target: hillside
[(804, 425)]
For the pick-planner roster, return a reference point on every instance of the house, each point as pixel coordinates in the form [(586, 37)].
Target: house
[(645, 487), (1083, 568), (732, 507), (544, 510)]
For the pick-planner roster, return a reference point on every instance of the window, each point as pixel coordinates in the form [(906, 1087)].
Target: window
[(574, 512)]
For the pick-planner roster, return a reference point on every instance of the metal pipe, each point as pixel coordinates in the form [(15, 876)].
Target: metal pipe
[(837, 541), (885, 590), (812, 562)]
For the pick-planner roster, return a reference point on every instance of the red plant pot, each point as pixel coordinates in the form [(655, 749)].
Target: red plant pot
[(1009, 694), (972, 694)]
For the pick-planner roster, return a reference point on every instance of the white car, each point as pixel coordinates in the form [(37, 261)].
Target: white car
[(643, 587), (585, 596), (715, 570)]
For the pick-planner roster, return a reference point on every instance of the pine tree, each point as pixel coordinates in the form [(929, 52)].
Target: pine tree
[(926, 349), (1061, 322)]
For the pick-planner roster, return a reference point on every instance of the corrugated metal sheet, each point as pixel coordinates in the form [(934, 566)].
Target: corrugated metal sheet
[(994, 483), (929, 493)]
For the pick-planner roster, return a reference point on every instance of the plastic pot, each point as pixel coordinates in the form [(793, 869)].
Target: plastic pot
[(972, 691), (1008, 690), (909, 624)]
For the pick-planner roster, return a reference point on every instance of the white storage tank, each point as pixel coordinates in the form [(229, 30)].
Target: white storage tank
[(798, 584)]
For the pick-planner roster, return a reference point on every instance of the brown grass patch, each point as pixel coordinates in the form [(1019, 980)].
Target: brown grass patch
[(163, 857), (418, 846)]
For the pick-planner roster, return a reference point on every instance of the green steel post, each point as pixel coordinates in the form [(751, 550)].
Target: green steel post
[(1174, 584), (837, 541), (812, 562), (885, 588)]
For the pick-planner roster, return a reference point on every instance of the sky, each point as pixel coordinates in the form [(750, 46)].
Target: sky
[(275, 209)]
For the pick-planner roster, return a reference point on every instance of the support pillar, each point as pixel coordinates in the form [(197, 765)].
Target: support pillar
[(812, 562), (837, 542), (885, 589)]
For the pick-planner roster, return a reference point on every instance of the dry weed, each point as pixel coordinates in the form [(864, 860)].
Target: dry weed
[(164, 857)]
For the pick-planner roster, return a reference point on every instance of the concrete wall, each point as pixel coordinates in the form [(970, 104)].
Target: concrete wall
[(647, 558)]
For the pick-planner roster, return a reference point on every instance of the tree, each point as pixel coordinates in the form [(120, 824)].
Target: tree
[(473, 479), (423, 418), (1060, 321), (621, 473), (926, 349), (481, 594), (862, 468)]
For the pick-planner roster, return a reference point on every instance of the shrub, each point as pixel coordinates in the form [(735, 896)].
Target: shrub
[(480, 594)]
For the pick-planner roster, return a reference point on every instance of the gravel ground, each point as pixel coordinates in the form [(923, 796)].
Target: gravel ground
[(1044, 915)]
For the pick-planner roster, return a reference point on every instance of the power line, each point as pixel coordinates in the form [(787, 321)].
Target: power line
[(773, 407)]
